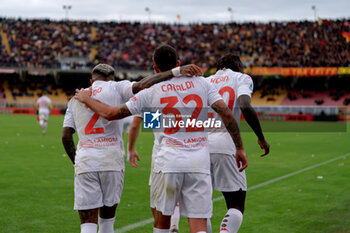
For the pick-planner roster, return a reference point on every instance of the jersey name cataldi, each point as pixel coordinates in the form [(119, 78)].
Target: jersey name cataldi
[(179, 149), (100, 146), (230, 85)]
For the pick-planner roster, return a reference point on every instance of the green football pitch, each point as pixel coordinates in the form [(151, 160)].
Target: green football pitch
[(303, 185)]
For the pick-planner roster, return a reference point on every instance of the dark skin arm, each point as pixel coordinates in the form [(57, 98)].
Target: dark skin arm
[(187, 70), (68, 142), (252, 119), (232, 127)]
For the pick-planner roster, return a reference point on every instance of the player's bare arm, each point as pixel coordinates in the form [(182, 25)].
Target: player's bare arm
[(105, 111), (252, 119), (230, 122), (232, 127), (187, 70), (68, 142), (132, 137)]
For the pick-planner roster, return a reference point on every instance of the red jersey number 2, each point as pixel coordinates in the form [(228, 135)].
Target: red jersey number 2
[(89, 129), (231, 96)]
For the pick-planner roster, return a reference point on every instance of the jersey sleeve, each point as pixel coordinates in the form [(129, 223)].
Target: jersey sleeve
[(213, 94), (138, 102), (68, 117), (124, 88), (245, 86)]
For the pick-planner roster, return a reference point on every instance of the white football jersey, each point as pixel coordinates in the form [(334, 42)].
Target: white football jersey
[(44, 103), (180, 149), (100, 146), (230, 85)]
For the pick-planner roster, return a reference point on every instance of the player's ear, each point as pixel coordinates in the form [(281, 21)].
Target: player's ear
[(178, 63), (156, 69)]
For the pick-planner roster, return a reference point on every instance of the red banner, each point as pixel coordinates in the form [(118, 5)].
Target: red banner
[(266, 71), (310, 71), (295, 71)]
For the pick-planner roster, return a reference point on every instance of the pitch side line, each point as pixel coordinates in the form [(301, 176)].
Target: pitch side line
[(147, 221)]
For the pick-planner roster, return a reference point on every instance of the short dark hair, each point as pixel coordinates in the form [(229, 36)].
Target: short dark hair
[(165, 57), (230, 61), (103, 70)]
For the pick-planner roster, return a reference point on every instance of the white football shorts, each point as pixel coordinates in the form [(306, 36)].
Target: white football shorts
[(225, 174), (44, 114), (96, 189), (193, 192)]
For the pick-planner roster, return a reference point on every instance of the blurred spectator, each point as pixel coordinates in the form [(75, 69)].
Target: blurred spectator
[(319, 102)]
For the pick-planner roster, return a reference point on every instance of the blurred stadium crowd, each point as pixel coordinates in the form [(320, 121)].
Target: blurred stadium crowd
[(39, 43), (79, 45)]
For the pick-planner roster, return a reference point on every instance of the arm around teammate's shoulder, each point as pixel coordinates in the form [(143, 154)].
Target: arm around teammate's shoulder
[(105, 111), (187, 70)]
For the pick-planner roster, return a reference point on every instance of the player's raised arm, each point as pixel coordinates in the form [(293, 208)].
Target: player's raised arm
[(252, 119), (187, 70), (68, 142), (105, 111), (132, 137), (232, 127)]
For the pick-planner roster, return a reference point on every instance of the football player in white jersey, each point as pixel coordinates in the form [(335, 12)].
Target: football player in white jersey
[(44, 105), (99, 158), (133, 156), (182, 165), (235, 88)]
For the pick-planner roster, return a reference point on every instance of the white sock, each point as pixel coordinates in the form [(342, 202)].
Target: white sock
[(106, 225), (156, 230), (41, 122), (201, 232), (88, 228), (175, 218), (232, 221), (208, 225), (44, 127)]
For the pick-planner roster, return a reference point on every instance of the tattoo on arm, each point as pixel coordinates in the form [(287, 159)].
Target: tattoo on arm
[(230, 122), (68, 142), (122, 112), (151, 80), (233, 129), (117, 113), (108, 112)]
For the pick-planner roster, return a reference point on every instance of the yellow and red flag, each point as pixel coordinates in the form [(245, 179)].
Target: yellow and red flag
[(346, 35)]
